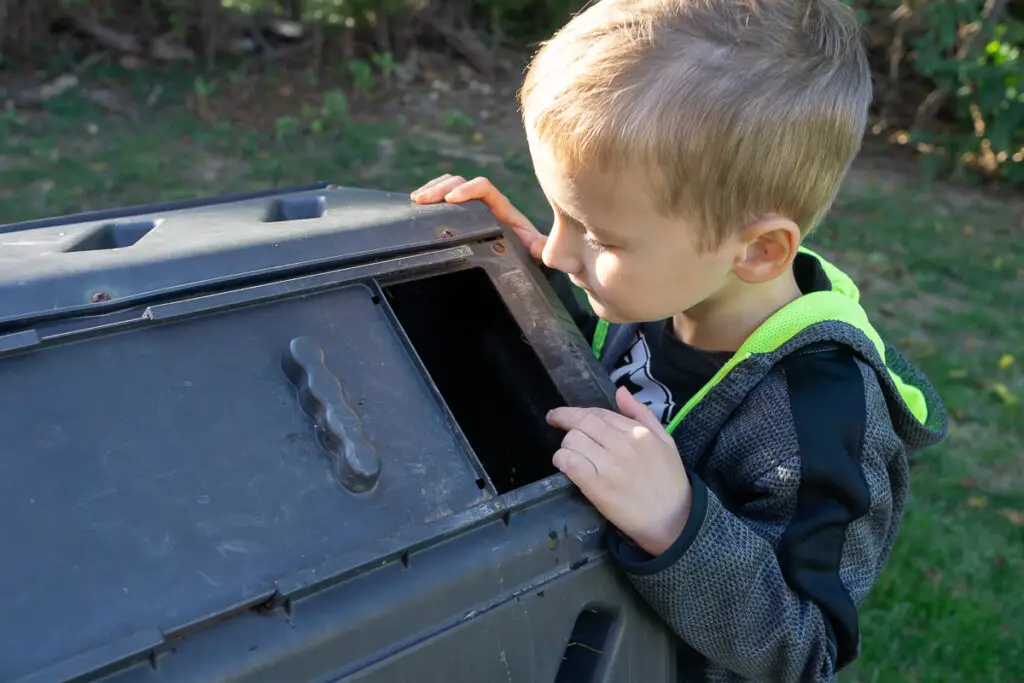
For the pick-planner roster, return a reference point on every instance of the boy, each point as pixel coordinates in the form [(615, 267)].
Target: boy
[(756, 471)]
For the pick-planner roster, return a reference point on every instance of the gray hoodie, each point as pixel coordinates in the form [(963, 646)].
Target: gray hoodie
[(797, 453)]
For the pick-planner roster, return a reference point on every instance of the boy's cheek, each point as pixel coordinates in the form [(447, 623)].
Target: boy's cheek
[(609, 280), (621, 295)]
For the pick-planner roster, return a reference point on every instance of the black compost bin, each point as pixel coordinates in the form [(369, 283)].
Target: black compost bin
[(297, 436)]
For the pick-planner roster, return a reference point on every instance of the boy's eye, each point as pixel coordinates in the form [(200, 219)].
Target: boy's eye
[(594, 244)]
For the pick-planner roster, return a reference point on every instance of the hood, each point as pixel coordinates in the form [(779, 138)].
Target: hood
[(833, 301)]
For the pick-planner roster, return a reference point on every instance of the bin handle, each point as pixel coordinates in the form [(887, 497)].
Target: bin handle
[(339, 428)]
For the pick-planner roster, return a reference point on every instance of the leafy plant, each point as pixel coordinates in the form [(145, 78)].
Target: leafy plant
[(950, 73), (362, 74)]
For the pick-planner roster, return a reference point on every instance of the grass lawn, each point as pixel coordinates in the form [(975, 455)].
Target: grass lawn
[(942, 272)]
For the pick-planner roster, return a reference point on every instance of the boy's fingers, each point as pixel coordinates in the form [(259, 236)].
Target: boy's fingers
[(580, 469), (601, 430), (438, 191), (531, 238), (566, 417), (444, 188), (477, 188), (623, 423), (455, 190), (619, 423), (635, 410), (431, 183), (503, 209), (418, 194), (580, 442), (481, 188), (537, 246)]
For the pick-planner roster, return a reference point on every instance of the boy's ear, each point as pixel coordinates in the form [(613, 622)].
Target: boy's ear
[(769, 246)]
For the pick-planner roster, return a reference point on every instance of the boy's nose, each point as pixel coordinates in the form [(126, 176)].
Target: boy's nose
[(560, 252)]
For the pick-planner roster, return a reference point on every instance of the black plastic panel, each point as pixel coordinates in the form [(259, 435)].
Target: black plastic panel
[(164, 475)]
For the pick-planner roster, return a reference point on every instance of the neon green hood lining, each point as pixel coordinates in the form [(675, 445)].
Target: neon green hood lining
[(840, 304)]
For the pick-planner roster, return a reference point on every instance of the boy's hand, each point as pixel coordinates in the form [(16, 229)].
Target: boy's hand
[(628, 467), (456, 189)]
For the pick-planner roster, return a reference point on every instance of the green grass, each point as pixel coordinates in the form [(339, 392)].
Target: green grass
[(943, 278), (949, 606)]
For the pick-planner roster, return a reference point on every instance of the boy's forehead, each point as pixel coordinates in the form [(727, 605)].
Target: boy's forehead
[(589, 192), (608, 200), (613, 203)]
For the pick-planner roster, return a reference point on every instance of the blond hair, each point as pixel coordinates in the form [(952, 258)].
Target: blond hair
[(739, 108)]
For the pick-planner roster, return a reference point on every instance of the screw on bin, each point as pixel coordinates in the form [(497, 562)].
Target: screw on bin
[(445, 232), (99, 297), (498, 247)]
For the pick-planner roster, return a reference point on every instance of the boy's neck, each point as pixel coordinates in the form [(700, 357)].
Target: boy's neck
[(724, 322)]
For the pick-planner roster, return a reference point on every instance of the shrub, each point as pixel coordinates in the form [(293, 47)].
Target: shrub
[(948, 72)]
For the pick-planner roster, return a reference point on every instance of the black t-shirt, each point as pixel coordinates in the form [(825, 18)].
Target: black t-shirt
[(662, 371), (659, 369)]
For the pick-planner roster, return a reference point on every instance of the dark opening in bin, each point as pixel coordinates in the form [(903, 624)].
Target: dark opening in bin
[(486, 371), (590, 638)]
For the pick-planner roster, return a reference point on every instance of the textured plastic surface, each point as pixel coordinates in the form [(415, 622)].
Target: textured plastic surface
[(292, 475)]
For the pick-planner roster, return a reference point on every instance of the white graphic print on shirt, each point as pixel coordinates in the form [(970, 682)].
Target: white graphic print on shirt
[(635, 374)]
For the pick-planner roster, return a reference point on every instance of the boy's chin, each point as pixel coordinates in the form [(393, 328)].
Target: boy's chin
[(616, 316), (607, 313)]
